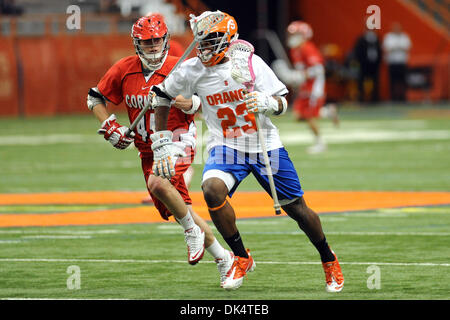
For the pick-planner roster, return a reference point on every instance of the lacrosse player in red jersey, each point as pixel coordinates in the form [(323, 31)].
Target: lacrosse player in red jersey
[(233, 144), (308, 75), (130, 80), (175, 49)]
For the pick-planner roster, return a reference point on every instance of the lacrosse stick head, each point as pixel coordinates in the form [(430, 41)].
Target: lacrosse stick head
[(214, 31), (240, 53)]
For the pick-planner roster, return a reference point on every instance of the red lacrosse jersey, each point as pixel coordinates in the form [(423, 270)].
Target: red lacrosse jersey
[(306, 56), (125, 81)]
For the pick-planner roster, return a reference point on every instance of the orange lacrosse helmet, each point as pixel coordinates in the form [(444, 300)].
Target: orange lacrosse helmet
[(151, 40), (217, 29), (298, 32)]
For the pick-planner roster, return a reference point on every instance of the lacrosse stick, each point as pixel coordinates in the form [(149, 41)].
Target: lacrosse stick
[(240, 53), (201, 27)]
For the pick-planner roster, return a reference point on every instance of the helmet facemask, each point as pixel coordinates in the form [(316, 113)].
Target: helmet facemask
[(212, 48), (148, 52), (298, 33), (151, 40), (214, 32), (295, 40)]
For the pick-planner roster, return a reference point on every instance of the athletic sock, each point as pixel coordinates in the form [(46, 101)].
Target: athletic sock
[(324, 250), (216, 250), (187, 222), (236, 245), (319, 140)]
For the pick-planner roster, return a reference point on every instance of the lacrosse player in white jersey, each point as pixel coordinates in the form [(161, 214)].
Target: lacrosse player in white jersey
[(233, 144)]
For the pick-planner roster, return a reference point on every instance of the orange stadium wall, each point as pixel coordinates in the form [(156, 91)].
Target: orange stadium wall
[(341, 21), (9, 102), (59, 71), (49, 75)]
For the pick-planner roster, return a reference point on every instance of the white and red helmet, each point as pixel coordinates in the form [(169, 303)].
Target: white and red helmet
[(148, 28), (298, 32)]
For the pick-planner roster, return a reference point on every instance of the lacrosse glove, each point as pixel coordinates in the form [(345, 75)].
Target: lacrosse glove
[(115, 133)]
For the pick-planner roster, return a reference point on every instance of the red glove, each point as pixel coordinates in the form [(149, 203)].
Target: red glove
[(115, 133)]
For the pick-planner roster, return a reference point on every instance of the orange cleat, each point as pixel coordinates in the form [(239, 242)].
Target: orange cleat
[(238, 270), (333, 275)]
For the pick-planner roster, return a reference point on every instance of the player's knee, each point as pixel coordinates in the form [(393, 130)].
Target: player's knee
[(296, 210), (214, 191), (158, 186)]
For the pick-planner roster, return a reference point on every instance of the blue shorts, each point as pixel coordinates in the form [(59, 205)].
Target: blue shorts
[(240, 165)]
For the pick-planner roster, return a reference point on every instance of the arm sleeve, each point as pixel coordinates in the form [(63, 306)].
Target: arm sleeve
[(177, 82), (110, 85), (318, 88), (266, 80)]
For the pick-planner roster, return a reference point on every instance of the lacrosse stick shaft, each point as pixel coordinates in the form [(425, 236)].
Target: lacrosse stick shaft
[(273, 191), (247, 49), (145, 109)]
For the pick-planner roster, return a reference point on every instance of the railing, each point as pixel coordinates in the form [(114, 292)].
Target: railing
[(46, 68), (438, 10), (53, 24)]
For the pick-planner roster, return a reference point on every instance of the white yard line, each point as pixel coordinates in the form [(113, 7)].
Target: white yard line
[(173, 229), (358, 233), (48, 236), (292, 137), (74, 232), (73, 299), (406, 264), (336, 137), (47, 139)]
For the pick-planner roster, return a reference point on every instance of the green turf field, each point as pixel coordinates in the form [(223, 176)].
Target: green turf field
[(384, 148)]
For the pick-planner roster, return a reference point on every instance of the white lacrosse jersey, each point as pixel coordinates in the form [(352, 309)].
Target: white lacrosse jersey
[(223, 108)]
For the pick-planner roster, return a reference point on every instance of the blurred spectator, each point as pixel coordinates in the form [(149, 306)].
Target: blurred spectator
[(334, 72), (367, 52), (350, 73), (396, 45), (175, 22), (9, 7)]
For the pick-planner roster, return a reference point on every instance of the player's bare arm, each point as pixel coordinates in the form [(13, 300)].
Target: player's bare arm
[(96, 102), (282, 105), (189, 106), (111, 130), (165, 151), (182, 103), (161, 104)]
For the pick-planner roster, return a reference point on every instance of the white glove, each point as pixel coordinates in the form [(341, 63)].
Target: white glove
[(165, 153), (115, 133), (188, 140), (261, 102)]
